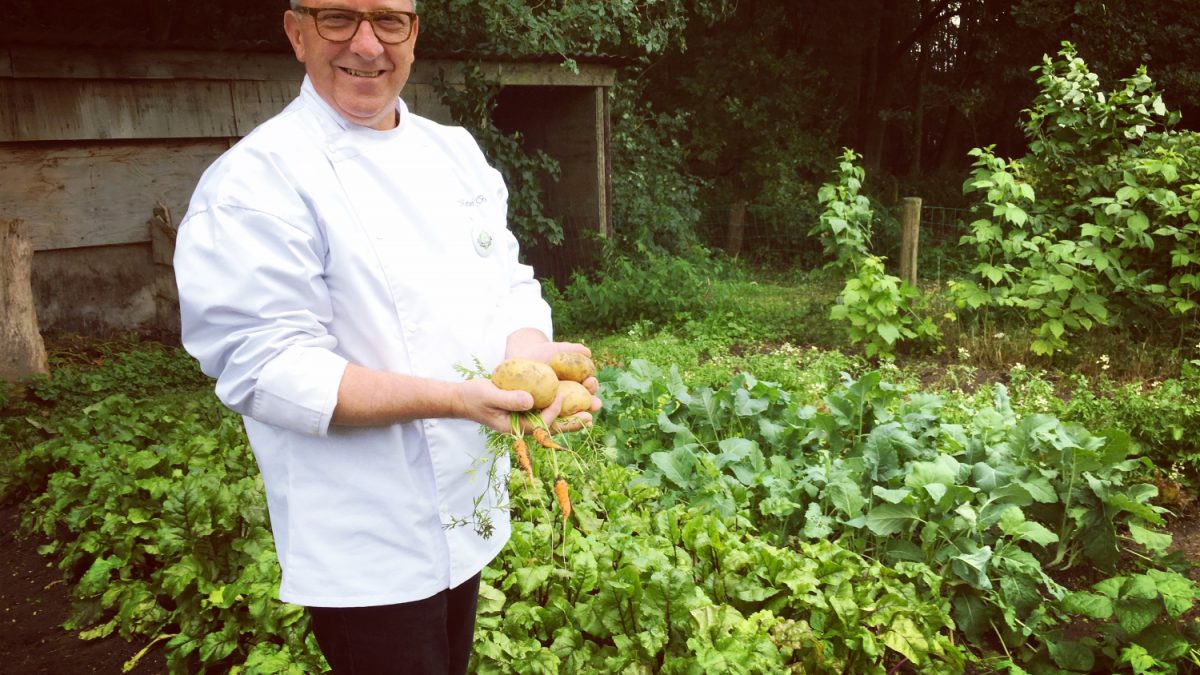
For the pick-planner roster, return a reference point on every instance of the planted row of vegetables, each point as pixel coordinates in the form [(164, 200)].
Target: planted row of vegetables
[(739, 528)]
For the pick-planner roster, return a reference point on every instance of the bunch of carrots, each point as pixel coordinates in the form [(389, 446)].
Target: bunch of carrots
[(561, 488), (565, 373)]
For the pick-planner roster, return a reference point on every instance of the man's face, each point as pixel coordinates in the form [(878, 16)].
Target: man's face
[(360, 78)]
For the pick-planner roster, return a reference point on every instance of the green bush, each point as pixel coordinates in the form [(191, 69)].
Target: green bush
[(1099, 224), (655, 289)]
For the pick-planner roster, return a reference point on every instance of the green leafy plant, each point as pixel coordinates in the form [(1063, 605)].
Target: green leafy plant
[(157, 516), (840, 524), (880, 309), (1099, 223), (655, 201), (658, 290), (1001, 506)]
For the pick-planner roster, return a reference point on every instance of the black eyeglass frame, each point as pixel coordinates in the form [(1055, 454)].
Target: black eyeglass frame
[(359, 17)]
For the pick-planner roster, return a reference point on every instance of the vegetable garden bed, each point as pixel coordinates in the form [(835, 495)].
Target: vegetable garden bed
[(848, 516)]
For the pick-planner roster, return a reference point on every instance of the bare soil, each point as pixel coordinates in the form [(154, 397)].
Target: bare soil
[(34, 603)]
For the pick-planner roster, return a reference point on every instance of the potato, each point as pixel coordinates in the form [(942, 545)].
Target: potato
[(572, 366), (535, 377), (576, 398)]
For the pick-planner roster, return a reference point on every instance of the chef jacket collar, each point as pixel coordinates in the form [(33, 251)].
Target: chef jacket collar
[(343, 136)]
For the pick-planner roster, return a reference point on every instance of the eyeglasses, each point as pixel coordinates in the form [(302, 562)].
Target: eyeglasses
[(339, 25)]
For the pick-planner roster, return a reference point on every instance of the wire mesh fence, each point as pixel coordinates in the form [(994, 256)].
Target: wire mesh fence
[(779, 238)]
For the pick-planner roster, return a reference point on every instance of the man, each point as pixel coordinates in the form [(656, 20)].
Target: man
[(334, 268)]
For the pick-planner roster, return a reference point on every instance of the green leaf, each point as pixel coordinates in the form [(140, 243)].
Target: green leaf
[(1164, 642), (1040, 489), (96, 578), (1136, 614), (1091, 605), (972, 567), (1139, 660), (677, 466), (846, 497), (1138, 223), (905, 637), (1178, 593), (888, 331), (816, 524), (1129, 194), (1071, 655), (491, 599), (888, 519), (1153, 541), (1013, 523), (530, 578), (891, 496), (943, 471), (972, 616)]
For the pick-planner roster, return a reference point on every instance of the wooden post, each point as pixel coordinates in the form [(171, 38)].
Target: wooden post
[(22, 351), (162, 247), (910, 223), (737, 228)]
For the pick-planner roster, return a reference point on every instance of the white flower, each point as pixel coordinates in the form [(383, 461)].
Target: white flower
[(1000, 336), (963, 354)]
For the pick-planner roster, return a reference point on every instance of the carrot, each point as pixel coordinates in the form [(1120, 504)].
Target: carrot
[(523, 458), (542, 436), (564, 498)]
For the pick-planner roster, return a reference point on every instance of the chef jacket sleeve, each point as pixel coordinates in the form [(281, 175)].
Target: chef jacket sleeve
[(253, 307), (522, 306)]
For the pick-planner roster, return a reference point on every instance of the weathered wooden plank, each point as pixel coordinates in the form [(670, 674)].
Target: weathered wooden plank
[(57, 110), (98, 193), (95, 291), (128, 64), (5, 62), (257, 102), (39, 62)]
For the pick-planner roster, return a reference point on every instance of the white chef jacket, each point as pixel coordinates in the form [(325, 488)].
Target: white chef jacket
[(314, 242)]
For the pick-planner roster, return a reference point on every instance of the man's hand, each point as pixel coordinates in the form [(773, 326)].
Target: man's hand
[(533, 344), (481, 401)]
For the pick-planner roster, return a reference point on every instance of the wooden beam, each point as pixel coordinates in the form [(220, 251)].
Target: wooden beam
[(99, 193), (61, 110), (167, 64), (37, 62)]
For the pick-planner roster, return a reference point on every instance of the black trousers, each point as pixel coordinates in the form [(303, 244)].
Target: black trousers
[(425, 637)]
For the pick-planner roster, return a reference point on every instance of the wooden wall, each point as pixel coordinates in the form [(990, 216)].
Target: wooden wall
[(91, 141)]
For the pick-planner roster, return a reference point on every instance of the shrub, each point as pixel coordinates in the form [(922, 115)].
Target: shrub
[(657, 289), (1099, 224)]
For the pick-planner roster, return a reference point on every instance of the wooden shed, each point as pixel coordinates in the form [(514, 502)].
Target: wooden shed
[(100, 149)]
